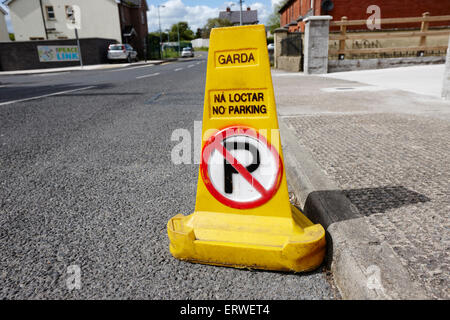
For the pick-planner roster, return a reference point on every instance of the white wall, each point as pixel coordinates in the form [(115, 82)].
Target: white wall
[(26, 19), (197, 43), (99, 18), (4, 34)]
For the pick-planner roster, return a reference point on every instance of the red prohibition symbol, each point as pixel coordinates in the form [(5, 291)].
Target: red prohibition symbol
[(256, 187)]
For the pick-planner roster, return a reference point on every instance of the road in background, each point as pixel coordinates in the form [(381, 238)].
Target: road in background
[(86, 179)]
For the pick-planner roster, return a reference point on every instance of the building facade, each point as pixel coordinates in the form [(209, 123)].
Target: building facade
[(123, 21), (4, 34), (294, 12), (249, 16)]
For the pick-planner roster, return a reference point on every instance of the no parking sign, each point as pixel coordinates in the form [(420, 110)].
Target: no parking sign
[(242, 216), (241, 168)]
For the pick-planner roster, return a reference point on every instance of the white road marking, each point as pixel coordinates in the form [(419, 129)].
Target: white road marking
[(45, 95), (190, 66), (49, 74), (347, 89), (199, 62), (178, 69), (125, 68), (148, 75)]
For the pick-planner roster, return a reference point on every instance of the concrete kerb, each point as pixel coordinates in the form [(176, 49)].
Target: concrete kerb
[(363, 266), (85, 68)]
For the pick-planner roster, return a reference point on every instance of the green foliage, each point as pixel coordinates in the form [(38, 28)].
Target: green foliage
[(170, 53), (274, 18), (214, 23), (12, 37), (202, 49), (185, 31), (164, 35), (198, 33)]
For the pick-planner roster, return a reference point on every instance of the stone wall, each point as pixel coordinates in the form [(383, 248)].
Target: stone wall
[(316, 44), (289, 63), (369, 64), (279, 34)]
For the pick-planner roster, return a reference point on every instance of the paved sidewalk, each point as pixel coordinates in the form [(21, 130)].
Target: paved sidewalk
[(425, 80), (78, 68), (376, 161)]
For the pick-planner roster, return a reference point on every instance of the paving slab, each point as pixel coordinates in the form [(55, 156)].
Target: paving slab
[(372, 166), (425, 80)]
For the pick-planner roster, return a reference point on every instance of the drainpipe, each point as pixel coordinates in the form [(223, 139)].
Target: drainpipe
[(43, 20)]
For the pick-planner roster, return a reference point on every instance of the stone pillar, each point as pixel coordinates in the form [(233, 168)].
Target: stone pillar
[(446, 85), (316, 44), (279, 34)]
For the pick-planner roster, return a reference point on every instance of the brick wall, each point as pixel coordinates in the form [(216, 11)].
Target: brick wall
[(356, 10), (391, 9), (133, 16)]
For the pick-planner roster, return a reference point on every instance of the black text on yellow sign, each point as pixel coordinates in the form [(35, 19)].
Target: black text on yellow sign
[(238, 103), (236, 58)]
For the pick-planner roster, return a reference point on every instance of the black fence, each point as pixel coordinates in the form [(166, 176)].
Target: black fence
[(292, 45), (153, 47)]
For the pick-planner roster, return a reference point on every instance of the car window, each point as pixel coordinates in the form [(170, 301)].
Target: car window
[(115, 47)]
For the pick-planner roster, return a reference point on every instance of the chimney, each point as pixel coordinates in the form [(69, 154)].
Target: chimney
[(228, 9), (248, 9)]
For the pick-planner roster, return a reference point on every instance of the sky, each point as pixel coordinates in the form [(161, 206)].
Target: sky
[(195, 12)]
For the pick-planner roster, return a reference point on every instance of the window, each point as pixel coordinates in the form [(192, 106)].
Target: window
[(50, 12), (36, 38), (142, 17), (69, 13)]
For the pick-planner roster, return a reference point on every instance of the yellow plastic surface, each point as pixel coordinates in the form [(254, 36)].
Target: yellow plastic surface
[(274, 235)]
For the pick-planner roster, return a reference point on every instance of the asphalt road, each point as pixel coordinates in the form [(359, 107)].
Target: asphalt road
[(86, 180)]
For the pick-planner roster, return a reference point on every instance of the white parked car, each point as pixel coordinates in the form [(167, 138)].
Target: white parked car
[(187, 52), (121, 52), (271, 46)]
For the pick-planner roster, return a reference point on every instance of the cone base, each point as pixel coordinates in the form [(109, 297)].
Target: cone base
[(242, 241)]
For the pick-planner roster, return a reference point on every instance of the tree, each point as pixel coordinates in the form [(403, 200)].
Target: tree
[(185, 31), (198, 33), (274, 19), (214, 23), (164, 35)]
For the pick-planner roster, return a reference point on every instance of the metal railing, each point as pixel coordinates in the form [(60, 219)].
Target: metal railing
[(292, 45)]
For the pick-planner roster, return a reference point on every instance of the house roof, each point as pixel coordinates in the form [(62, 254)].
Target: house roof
[(127, 2), (248, 16)]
